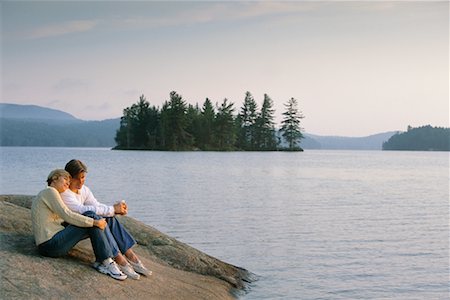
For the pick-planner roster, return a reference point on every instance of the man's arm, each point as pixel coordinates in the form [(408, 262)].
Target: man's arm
[(100, 208), (74, 204)]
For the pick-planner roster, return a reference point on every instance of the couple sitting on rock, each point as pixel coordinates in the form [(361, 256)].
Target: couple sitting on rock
[(67, 212)]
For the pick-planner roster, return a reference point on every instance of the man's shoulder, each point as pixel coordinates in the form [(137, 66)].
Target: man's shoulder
[(85, 190), (68, 194)]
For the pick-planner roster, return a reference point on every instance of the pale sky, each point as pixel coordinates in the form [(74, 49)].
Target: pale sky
[(356, 68)]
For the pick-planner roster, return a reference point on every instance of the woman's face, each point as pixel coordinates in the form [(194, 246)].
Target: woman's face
[(61, 184), (77, 182)]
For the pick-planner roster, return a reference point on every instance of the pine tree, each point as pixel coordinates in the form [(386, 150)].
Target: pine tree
[(174, 123), (193, 120), (291, 124), (247, 122), (137, 125), (224, 126), (207, 118), (265, 133)]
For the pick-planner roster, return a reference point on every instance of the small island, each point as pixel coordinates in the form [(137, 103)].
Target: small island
[(179, 271), (425, 138), (177, 126)]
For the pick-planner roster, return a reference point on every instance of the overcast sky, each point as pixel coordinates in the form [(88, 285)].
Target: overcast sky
[(356, 68)]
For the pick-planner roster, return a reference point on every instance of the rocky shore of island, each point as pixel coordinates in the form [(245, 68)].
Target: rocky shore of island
[(179, 270)]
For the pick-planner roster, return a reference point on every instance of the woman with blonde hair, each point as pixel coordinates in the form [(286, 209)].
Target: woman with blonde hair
[(48, 213)]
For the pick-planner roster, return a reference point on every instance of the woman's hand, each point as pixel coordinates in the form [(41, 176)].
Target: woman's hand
[(100, 223), (120, 208)]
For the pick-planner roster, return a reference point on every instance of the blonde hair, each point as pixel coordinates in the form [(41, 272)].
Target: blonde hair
[(55, 174)]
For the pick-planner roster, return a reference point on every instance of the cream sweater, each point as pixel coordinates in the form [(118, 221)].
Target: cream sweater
[(48, 211)]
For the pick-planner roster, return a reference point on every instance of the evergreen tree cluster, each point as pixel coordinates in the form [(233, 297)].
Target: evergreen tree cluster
[(425, 138), (181, 126)]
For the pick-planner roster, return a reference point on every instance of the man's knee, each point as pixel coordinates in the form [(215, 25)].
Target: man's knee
[(111, 220), (91, 214)]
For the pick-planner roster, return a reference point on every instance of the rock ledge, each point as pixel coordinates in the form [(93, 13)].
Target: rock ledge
[(180, 271)]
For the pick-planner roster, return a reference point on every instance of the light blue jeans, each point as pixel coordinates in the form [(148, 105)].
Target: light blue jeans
[(118, 237)]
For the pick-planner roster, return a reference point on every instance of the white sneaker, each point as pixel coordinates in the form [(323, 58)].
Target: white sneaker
[(129, 271), (139, 267), (112, 270)]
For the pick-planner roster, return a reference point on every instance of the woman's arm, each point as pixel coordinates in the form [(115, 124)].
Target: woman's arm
[(53, 200)]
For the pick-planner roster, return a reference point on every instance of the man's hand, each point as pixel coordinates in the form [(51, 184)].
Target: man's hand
[(100, 223), (120, 208)]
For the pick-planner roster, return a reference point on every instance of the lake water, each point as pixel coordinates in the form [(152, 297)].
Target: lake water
[(312, 225)]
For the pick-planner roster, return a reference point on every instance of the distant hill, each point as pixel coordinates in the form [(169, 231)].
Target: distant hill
[(31, 125), (425, 138), (34, 112), (371, 142)]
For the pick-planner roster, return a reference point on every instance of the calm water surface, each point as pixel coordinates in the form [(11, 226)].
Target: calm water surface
[(312, 225)]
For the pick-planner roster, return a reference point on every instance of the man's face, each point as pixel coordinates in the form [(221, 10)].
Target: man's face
[(78, 181)]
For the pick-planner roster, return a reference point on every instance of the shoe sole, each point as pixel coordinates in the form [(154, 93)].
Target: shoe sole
[(134, 277), (145, 274), (117, 277)]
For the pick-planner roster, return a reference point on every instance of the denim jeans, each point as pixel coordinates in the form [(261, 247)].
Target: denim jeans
[(67, 238), (118, 237)]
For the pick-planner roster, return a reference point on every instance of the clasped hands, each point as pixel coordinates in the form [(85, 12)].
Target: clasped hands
[(120, 208)]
